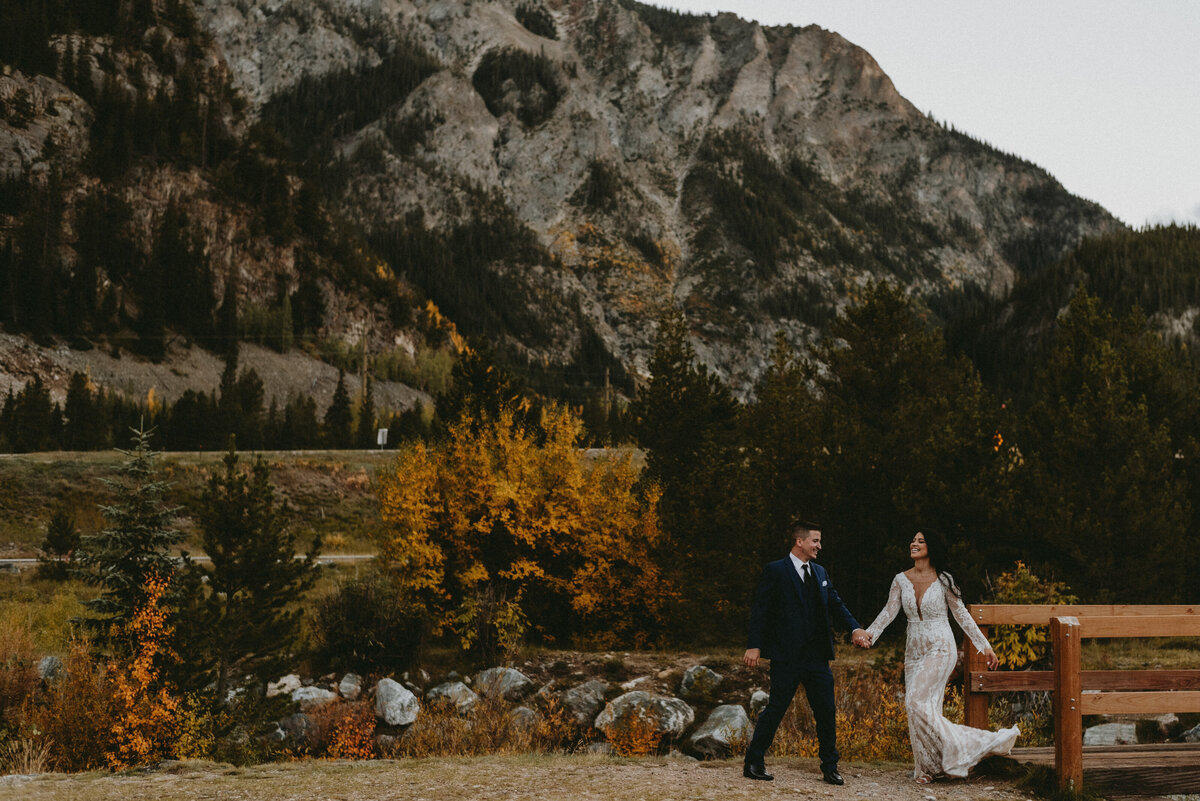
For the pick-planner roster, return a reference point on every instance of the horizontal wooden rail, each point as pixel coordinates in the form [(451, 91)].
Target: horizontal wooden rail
[(1138, 703), (1158, 626), (1040, 614), (1030, 680)]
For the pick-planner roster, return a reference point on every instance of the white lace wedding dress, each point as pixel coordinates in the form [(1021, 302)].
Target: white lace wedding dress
[(939, 746)]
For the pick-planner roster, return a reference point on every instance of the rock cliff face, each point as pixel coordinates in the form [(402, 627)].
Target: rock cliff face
[(556, 174), (752, 176)]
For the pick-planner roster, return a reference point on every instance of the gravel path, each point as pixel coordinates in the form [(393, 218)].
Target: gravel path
[(519, 778)]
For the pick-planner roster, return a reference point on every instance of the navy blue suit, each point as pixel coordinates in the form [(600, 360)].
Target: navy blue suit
[(794, 629)]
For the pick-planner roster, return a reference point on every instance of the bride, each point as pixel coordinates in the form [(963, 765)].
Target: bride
[(927, 593)]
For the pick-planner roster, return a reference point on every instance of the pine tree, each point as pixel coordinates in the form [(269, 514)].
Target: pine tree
[(58, 549), (83, 430), (338, 417), (365, 433), (247, 621), (135, 545)]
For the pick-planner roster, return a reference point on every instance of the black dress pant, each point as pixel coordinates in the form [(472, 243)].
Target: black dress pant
[(786, 678)]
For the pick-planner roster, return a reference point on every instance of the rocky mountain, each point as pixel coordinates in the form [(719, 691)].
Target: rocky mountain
[(552, 174)]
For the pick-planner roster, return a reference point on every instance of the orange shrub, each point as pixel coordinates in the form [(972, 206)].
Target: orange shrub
[(635, 734), (76, 714), (345, 730), (144, 730)]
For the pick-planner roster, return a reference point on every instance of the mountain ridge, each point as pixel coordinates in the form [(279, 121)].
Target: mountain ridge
[(554, 176)]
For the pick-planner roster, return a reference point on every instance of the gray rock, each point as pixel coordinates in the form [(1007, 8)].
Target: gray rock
[(601, 748), (636, 684), (726, 728), (49, 668), (285, 686), (395, 705), (463, 697), (699, 681), (310, 698), (671, 715), (1111, 734), (298, 729), (351, 686), (524, 718), (1192, 735), (506, 683), (758, 702), (585, 701)]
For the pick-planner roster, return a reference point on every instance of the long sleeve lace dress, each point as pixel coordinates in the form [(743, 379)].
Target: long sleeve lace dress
[(939, 746)]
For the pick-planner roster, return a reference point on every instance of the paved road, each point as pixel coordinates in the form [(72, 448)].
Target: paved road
[(23, 563)]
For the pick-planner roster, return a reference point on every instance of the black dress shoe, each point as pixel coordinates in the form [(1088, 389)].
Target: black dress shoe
[(833, 777), (757, 771)]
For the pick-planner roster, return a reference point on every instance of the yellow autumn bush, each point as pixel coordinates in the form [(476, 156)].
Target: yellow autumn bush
[(505, 527)]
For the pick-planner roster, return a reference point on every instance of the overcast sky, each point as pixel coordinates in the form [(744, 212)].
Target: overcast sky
[(1104, 95)]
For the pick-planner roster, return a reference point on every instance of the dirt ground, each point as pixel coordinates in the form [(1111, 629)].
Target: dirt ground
[(521, 778)]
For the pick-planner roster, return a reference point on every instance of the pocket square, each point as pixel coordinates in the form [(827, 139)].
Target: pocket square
[(824, 583)]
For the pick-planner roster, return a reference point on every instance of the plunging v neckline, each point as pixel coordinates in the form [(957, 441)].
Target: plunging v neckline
[(921, 597)]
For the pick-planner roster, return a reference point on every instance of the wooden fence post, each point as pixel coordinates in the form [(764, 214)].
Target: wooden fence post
[(975, 704), (1068, 690)]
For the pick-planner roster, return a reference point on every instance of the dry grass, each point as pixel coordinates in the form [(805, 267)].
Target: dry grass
[(499, 778)]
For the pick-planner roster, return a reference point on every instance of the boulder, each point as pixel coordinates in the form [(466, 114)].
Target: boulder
[(463, 697), (297, 730), (585, 701), (636, 684), (506, 683), (395, 705), (699, 682), (758, 702), (728, 727), (671, 715), (351, 686), (310, 698), (285, 686), (1192, 735), (524, 718), (1111, 734), (49, 668)]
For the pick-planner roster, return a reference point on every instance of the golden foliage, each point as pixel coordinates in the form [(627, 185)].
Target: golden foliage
[(497, 510), (1017, 646), (634, 734), (346, 729), (490, 728), (871, 719), (76, 714), (144, 729)]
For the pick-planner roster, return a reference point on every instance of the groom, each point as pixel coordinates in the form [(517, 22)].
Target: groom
[(791, 625)]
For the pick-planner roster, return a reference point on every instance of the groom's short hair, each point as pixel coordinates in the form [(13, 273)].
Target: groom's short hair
[(798, 526)]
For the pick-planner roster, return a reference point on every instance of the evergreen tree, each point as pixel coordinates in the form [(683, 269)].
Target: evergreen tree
[(1100, 470), (338, 417), (135, 544), (58, 549), (686, 420), (365, 435), (84, 429), (247, 621), (33, 425)]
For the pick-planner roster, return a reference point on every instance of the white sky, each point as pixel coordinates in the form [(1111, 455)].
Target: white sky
[(1104, 95)]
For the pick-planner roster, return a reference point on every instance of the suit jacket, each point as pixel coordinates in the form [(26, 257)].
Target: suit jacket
[(779, 621)]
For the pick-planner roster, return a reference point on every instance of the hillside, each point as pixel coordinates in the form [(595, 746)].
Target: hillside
[(550, 175)]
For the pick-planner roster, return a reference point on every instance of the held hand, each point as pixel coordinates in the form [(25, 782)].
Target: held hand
[(750, 659), (861, 638), (993, 661)]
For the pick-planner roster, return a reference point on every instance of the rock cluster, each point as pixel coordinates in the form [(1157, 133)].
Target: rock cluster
[(592, 704)]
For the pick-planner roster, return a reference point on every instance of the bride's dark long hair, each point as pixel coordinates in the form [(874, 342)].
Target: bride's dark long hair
[(939, 558)]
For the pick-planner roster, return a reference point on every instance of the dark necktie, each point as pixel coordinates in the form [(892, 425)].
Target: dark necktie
[(810, 585)]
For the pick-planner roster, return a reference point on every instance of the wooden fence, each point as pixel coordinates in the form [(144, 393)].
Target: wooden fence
[(1079, 692)]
